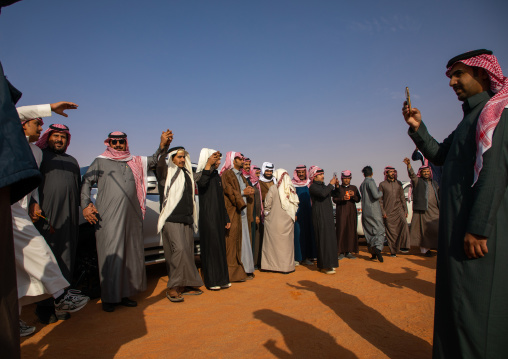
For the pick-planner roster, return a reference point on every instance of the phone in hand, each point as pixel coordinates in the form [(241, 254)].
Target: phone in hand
[(408, 99), (334, 174)]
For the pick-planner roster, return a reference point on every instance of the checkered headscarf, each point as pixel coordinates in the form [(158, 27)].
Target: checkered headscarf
[(491, 113)]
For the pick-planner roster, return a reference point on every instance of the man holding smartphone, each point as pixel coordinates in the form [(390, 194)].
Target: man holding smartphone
[(472, 270)]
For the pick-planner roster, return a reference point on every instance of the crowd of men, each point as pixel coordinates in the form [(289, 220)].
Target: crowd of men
[(259, 218)]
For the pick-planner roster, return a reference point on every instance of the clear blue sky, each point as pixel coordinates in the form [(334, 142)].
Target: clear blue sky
[(290, 82)]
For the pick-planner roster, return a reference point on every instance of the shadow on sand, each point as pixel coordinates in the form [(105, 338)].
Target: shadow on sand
[(302, 339), (407, 279), (369, 323), (91, 325)]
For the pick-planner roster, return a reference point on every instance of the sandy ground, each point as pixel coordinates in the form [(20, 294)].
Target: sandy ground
[(367, 310)]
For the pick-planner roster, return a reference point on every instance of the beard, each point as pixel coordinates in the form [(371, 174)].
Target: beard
[(268, 177), (57, 151)]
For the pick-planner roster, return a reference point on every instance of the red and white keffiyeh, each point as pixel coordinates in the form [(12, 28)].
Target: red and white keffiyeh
[(491, 113), (229, 162), (137, 165), (255, 182), (313, 171), (345, 174), (245, 173), (297, 182), (30, 119), (388, 168), (42, 142)]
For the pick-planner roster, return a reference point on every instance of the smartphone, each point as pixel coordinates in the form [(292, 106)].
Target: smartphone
[(408, 99), (335, 174)]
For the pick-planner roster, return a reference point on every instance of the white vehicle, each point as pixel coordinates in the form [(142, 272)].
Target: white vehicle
[(405, 186), (154, 252)]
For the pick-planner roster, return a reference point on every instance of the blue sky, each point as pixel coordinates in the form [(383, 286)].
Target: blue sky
[(290, 82)]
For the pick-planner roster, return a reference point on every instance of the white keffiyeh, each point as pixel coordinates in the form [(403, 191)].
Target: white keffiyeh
[(173, 190)]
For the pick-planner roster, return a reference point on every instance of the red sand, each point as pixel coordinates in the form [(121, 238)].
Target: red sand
[(366, 310)]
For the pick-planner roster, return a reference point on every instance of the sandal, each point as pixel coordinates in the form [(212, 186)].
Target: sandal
[(174, 299), (191, 291)]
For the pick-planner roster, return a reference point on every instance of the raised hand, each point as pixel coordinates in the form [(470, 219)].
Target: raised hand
[(413, 118), (60, 107)]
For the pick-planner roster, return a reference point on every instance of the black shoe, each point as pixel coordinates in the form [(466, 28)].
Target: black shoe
[(108, 307), (126, 302), (47, 315), (404, 250), (378, 255), (393, 255), (428, 254), (373, 256)]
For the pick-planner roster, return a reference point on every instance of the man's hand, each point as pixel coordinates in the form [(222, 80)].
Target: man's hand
[(258, 220), (90, 213), (413, 119), (228, 225), (475, 246), (407, 162), (212, 160), (248, 191), (334, 181), (296, 218), (166, 138), (60, 107), (33, 212)]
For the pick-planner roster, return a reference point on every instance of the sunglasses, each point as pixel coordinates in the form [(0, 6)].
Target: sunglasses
[(114, 142)]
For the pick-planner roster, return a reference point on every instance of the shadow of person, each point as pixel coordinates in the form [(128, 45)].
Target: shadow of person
[(407, 279), (77, 337), (424, 262), (302, 339), (369, 323)]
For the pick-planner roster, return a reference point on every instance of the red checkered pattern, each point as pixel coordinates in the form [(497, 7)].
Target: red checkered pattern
[(491, 113)]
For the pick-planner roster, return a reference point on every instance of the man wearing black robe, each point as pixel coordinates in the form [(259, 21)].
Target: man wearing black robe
[(472, 267), (322, 218), (213, 222), (346, 216), (59, 197)]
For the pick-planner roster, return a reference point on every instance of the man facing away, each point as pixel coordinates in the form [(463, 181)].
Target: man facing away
[(118, 217), (305, 244), (322, 218), (178, 220), (372, 216), (346, 197), (239, 199), (425, 220), (394, 208), (472, 270)]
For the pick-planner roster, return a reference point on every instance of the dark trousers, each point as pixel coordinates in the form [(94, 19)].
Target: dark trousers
[(9, 310)]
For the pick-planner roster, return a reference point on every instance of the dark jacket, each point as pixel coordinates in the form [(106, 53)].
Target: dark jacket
[(18, 168), (420, 191)]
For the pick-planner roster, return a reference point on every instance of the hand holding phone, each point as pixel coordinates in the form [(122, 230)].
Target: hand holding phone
[(408, 99)]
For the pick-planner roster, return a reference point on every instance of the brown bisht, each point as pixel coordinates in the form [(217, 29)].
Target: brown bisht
[(394, 208), (234, 205)]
